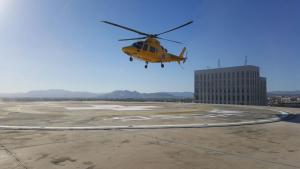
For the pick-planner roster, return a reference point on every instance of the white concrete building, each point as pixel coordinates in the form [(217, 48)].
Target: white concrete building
[(230, 85)]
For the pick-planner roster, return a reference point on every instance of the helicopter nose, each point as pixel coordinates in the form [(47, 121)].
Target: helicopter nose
[(125, 50)]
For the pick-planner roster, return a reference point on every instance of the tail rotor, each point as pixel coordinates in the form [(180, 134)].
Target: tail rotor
[(183, 58), (186, 57)]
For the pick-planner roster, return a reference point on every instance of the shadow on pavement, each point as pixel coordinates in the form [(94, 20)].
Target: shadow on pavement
[(292, 118)]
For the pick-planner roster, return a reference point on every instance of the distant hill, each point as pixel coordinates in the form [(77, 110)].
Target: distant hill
[(51, 93), (284, 93), (54, 93), (118, 94), (125, 94)]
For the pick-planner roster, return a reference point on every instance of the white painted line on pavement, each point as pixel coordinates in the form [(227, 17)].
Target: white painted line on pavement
[(203, 125)]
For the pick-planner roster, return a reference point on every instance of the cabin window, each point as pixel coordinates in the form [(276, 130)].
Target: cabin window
[(138, 45), (145, 47), (164, 49), (152, 49)]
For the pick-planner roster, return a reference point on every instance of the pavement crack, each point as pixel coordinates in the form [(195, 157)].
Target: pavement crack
[(14, 156), (221, 152), (44, 144)]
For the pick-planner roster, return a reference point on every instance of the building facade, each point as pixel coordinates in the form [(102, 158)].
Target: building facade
[(231, 85)]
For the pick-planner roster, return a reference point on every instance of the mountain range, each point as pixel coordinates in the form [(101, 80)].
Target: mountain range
[(117, 94)]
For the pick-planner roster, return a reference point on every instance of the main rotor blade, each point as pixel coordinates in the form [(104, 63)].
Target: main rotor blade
[(133, 38), (175, 28), (124, 27), (170, 40)]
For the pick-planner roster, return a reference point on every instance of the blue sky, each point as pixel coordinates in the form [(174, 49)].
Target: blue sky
[(59, 44)]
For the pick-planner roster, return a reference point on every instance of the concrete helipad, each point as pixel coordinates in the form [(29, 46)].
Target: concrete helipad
[(92, 114), (269, 145)]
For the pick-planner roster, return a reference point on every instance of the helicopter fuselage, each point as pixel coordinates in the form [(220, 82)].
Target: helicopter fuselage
[(150, 50)]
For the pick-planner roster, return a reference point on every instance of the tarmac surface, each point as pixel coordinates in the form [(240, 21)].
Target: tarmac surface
[(270, 145)]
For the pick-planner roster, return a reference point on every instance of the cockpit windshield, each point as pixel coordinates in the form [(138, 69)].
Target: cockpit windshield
[(138, 45), (164, 49)]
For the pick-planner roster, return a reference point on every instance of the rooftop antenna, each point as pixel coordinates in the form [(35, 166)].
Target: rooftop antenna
[(219, 63), (246, 60)]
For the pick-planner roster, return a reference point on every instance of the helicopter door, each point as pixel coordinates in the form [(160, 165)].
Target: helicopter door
[(162, 53), (153, 50), (145, 47)]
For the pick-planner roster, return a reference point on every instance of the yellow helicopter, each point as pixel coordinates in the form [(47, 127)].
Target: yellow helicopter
[(150, 49)]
